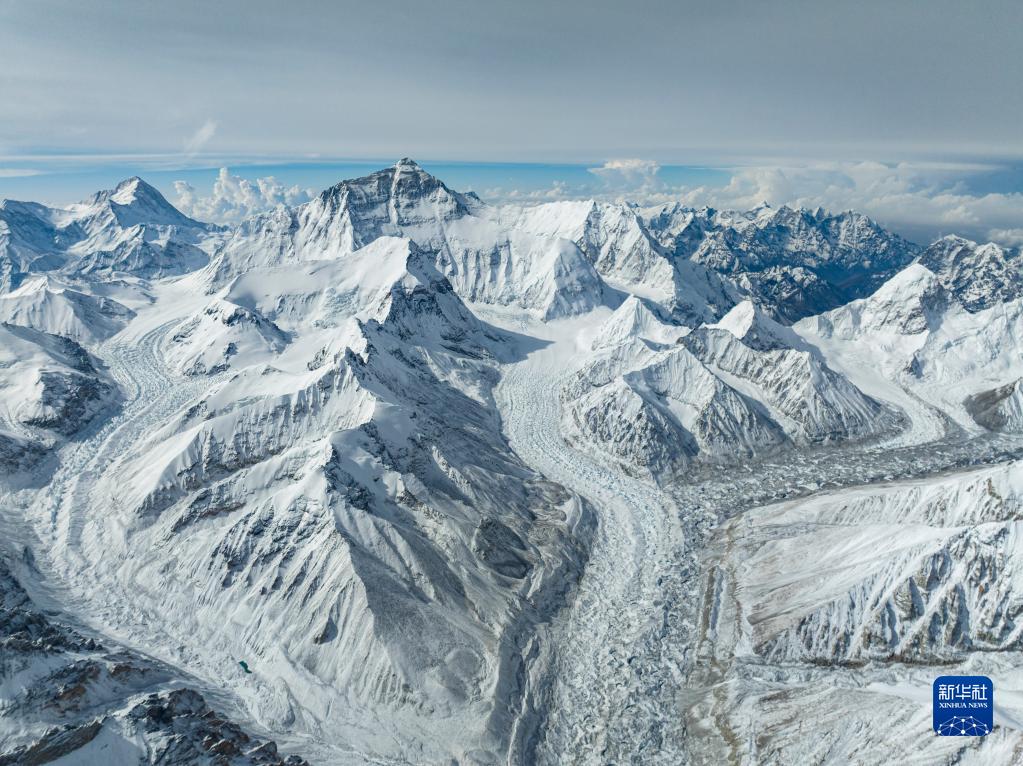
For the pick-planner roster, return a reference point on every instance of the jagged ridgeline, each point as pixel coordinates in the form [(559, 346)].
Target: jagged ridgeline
[(366, 476)]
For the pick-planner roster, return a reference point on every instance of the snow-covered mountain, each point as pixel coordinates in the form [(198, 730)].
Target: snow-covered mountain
[(45, 303), (484, 261), (916, 334), (794, 262), (855, 600), (130, 229), (979, 276), (51, 390), (398, 476), (727, 390)]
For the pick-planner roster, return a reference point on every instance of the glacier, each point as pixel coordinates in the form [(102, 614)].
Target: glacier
[(399, 476)]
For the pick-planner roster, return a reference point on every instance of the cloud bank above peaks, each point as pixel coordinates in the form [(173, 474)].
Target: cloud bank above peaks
[(921, 200), (234, 198)]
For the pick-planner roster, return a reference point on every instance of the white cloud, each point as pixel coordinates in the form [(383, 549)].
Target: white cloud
[(234, 198), (201, 137), (921, 200), (558, 190), (19, 172), (1007, 236), (629, 173)]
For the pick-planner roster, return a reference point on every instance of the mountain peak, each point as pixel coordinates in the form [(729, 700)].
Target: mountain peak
[(752, 325), (978, 275), (383, 202), (132, 202), (134, 189)]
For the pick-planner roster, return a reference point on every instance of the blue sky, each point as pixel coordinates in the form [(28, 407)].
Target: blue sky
[(58, 181)]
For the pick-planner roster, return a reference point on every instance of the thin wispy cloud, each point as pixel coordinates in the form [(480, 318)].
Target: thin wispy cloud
[(200, 138)]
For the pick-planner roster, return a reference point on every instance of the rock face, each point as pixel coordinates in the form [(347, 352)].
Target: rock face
[(1000, 409), (795, 262), (87, 702), (978, 276)]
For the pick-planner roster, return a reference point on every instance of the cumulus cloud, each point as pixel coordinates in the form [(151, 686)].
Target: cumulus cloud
[(1007, 236), (201, 137), (234, 198), (629, 173)]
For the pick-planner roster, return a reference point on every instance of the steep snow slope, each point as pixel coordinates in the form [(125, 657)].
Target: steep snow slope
[(29, 240), (484, 261), (772, 365), (222, 336), (343, 502), (634, 320), (913, 336), (849, 599), (130, 229), (47, 304), (740, 387), (629, 258), (50, 389)]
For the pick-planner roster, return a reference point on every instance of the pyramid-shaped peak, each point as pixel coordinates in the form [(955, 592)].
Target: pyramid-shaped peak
[(401, 195), (134, 189), (132, 202), (752, 325)]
